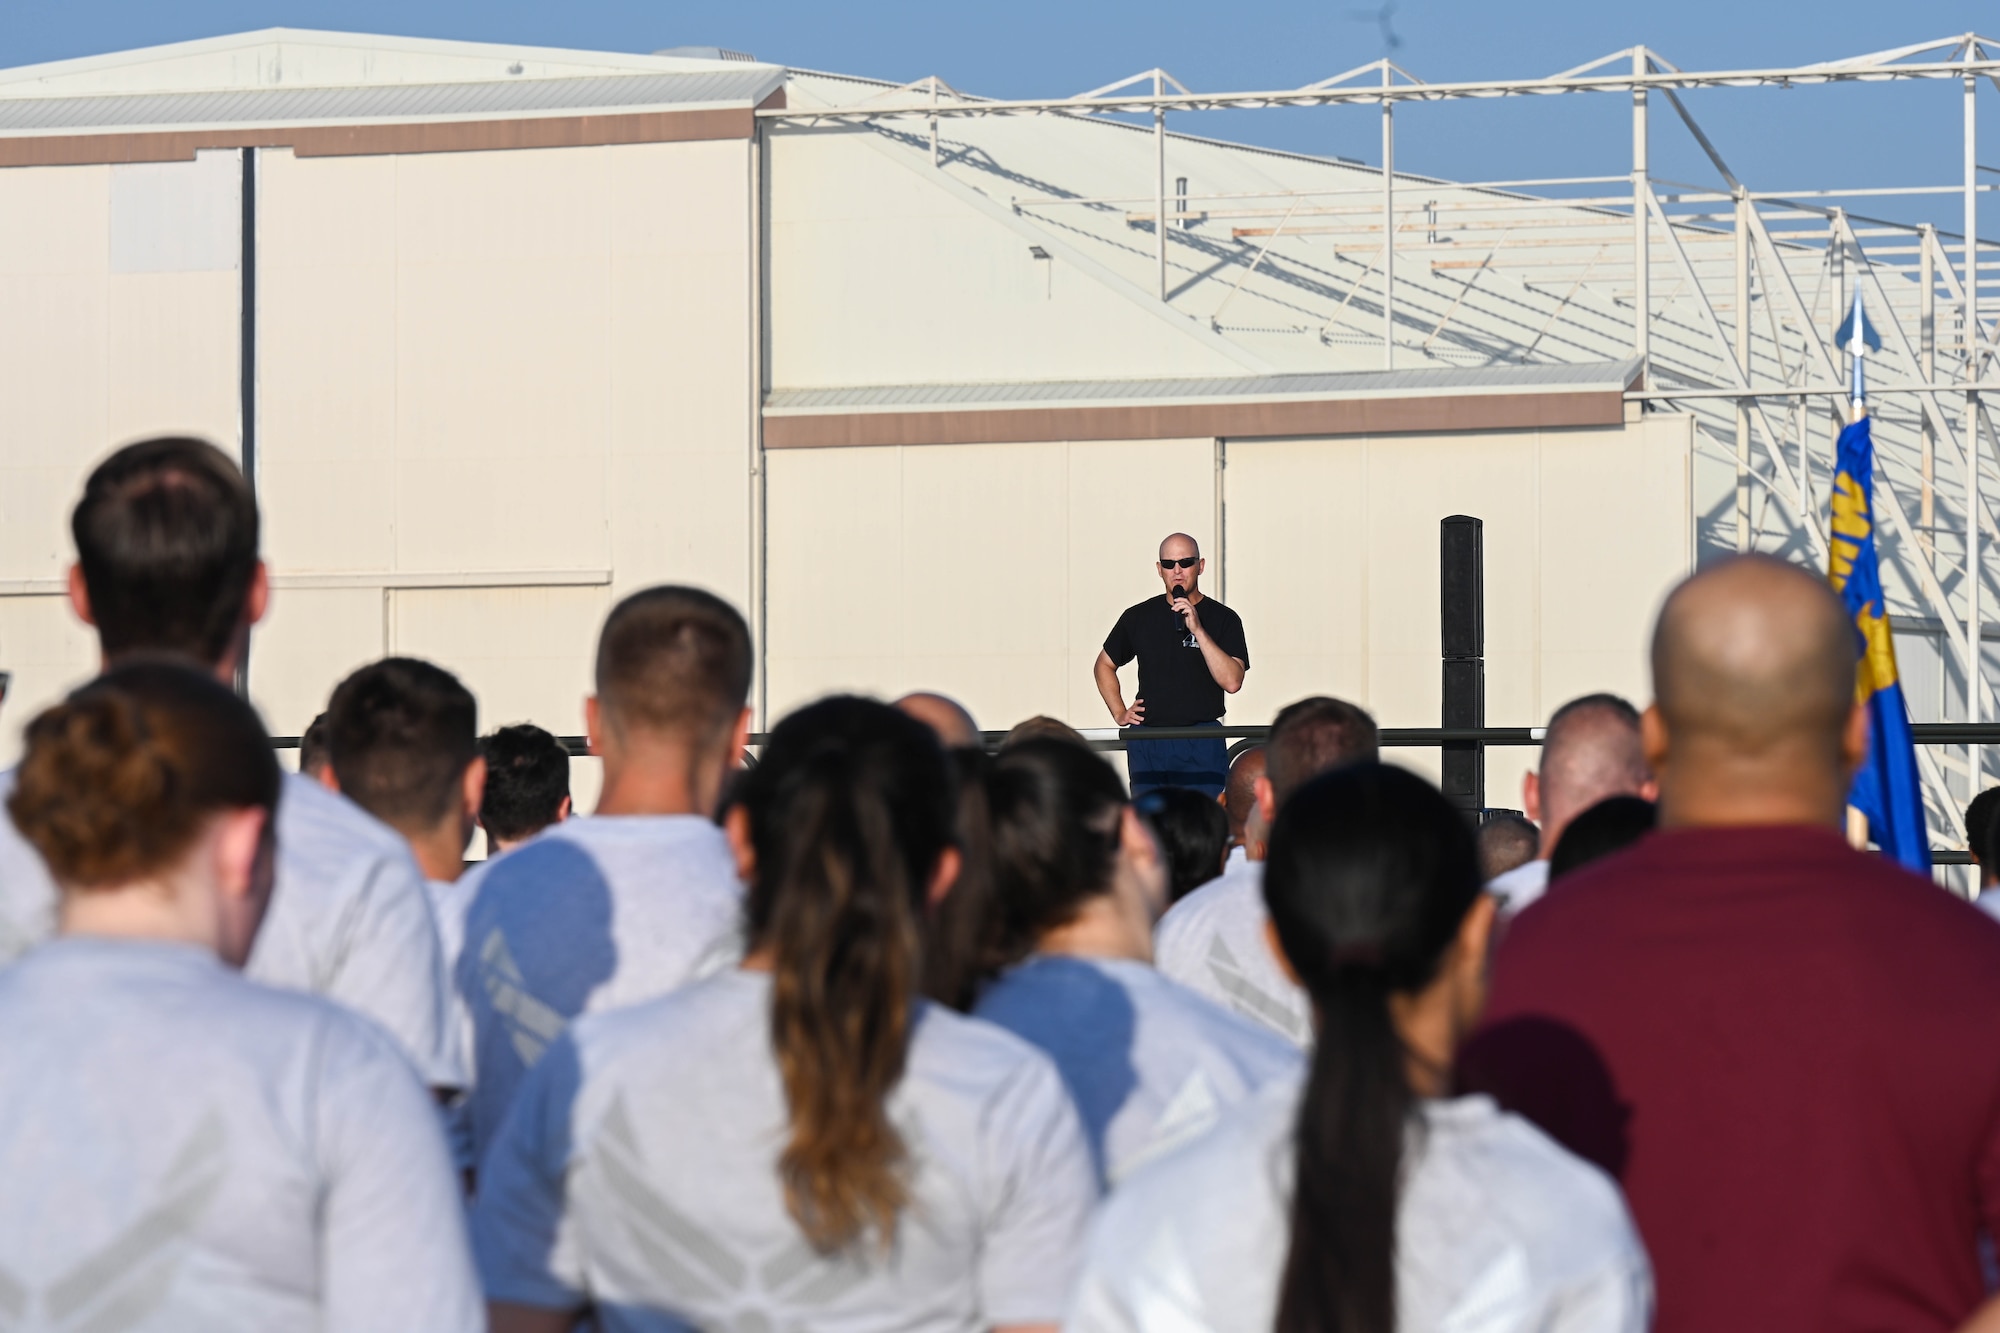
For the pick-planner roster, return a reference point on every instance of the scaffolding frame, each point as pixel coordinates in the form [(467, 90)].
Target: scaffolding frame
[(1756, 387)]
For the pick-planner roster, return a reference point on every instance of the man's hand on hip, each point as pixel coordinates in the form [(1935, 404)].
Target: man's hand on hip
[(1134, 716)]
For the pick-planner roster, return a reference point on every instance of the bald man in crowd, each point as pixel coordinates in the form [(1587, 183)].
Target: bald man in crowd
[(1590, 752), (947, 717), (1783, 1048), (1239, 802)]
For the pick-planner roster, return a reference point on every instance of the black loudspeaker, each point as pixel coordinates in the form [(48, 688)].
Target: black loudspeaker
[(1462, 639)]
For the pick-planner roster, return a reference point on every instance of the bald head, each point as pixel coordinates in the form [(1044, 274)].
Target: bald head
[(1754, 683), (1178, 546), (944, 715), (1590, 752), (1239, 796)]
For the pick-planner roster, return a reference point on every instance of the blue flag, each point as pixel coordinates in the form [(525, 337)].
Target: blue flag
[(1887, 789)]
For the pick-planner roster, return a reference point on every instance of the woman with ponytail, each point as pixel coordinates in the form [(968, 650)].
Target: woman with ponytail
[(1369, 1200), (182, 1148), (1065, 961), (804, 1141)]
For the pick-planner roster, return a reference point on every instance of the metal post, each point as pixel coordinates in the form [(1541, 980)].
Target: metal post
[(1641, 286), (1927, 368), (1388, 228), (1743, 542), (1160, 184), (934, 121), (246, 363), (1975, 758)]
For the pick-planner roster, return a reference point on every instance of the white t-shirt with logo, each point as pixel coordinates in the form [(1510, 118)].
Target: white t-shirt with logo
[(1498, 1229), (1150, 1064), (348, 920), (1213, 941), (590, 914), (638, 1171), (184, 1149)]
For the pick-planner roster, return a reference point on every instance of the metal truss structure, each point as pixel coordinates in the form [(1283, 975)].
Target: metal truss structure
[(1728, 297)]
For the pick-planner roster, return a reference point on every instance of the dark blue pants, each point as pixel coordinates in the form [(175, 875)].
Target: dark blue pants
[(1201, 763)]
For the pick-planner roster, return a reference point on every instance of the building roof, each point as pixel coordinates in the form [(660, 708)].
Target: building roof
[(1440, 381), (281, 77)]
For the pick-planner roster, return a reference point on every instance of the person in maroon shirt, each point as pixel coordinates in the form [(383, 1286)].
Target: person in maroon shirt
[(1787, 1051)]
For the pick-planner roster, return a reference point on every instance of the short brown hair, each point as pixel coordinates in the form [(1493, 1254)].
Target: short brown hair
[(119, 777), (166, 536), (399, 733), (674, 659), (1314, 735)]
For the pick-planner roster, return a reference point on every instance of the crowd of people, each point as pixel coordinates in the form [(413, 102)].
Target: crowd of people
[(882, 1030)]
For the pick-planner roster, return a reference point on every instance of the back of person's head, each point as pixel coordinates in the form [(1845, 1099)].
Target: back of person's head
[(1612, 825), (527, 781), (314, 758), (1754, 665), (1239, 793), (1980, 826), (119, 778), (954, 932), (674, 662), (1591, 750), (400, 733), (1055, 809), (946, 716), (848, 813), (1312, 736), (1369, 879), (166, 539), (1192, 831), (1506, 842), (1042, 727)]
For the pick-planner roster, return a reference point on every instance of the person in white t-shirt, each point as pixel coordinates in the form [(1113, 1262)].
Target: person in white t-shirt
[(1217, 940), (402, 741), (1366, 1196), (183, 1148), (1066, 963), (642, 896), (166, 540), (402, 738), (1590, 752), (802, 1141)]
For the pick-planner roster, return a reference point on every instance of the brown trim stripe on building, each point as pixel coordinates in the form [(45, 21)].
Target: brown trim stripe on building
[(1350, 416), (457, 136)]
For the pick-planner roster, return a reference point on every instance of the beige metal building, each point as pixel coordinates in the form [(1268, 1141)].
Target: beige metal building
[(504, 333)]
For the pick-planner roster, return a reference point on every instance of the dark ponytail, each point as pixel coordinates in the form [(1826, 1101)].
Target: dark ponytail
[(1048, 825), (849, 810), (954, 933), (1368, 876)]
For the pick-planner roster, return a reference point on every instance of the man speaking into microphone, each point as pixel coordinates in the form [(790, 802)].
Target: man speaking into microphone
[(1191, 652)]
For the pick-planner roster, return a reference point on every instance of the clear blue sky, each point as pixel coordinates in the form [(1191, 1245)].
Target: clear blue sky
[(1866, 135)]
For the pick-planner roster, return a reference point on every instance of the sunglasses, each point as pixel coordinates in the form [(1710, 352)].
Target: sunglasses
[(1188, 563)]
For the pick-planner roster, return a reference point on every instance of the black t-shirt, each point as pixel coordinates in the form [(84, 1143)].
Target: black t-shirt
[(1173, 676)]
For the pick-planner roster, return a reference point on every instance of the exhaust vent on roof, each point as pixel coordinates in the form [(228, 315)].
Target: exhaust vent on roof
[(706, 53)]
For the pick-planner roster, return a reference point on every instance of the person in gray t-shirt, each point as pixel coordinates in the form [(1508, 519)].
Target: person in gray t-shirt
[(1077, 883), (166, 540), (183, 1148), (1366, 1196), (642, 896), (800, 1142)]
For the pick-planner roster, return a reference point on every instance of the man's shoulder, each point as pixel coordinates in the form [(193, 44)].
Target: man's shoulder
[(1215, 606), (328, 828), (1140, 610)]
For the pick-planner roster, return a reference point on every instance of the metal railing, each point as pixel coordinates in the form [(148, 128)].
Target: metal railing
[(1116, 738)]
